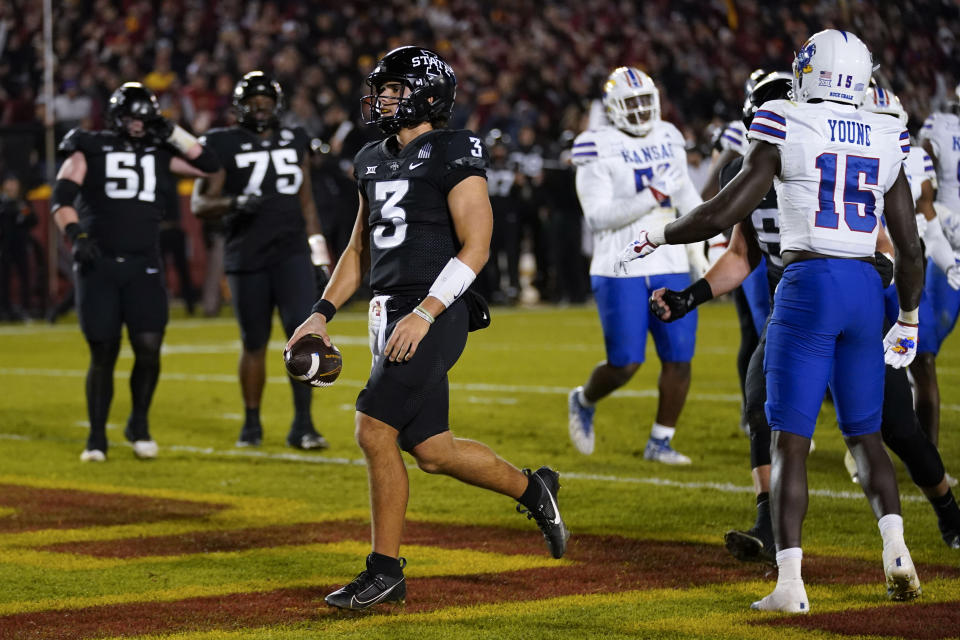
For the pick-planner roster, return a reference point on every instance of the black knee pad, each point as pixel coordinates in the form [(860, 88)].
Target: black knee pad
[(146, 346)]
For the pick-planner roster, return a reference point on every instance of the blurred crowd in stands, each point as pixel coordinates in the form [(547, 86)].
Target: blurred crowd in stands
[(527, 72)]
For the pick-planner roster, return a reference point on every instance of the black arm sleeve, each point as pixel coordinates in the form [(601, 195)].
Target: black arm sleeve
[(207, 161)]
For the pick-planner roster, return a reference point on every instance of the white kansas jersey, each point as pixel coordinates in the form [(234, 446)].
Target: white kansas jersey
[(613, 172), (734, 137), (919, 169), (836, 164), (943, 132)]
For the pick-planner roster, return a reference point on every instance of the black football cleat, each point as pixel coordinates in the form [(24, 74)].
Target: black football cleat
[(306, 439), (749, 546), (949, 532), (547, 511), (250, 436), (368, 589)]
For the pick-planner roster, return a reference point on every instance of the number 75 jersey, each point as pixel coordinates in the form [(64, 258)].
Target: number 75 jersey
[(268, 167), (836, 164), (411, 231)]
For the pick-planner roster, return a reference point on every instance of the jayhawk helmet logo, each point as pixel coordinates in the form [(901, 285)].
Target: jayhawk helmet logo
[(804, 57)]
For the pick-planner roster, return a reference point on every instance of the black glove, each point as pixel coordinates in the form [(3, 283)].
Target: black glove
[(678, 303), (160, 128), (884, 268), (321, 274), (85, 249), (247, 205), (242, 209), (681, 303)]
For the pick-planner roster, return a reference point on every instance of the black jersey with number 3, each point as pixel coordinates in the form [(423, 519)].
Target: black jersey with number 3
[(766, 222), (411, 232), (119, 205), (269, 168)]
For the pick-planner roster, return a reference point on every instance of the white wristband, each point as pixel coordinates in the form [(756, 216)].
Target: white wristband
[(452, 282), (909, 317), (181, 139), (319, 255)]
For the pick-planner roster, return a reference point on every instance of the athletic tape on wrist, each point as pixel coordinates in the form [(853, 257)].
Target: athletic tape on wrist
[(319, 255), (909, 317), (657, 234), (452, 282), (181, 139)]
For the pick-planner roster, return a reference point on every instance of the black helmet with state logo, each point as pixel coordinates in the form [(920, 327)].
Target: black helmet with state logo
[(431, 85)]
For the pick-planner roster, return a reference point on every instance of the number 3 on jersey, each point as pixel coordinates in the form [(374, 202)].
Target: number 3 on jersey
[(853, 195), (393, 218)]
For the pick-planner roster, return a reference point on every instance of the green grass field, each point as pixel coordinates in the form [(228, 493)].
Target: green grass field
[(209, 541)]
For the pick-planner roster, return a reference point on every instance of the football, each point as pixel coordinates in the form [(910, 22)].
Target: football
[(312, 362)]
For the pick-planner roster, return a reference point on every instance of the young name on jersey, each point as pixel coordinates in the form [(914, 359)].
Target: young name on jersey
[(836, 165)]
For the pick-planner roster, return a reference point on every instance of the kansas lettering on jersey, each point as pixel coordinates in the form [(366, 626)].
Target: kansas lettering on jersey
[(270, 168), (411, 232), (613, 170), (943, 132), (734, 137), (836, 164), (119, 204)]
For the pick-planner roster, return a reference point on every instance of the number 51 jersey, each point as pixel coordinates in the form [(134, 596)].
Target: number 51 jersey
[(411, 232), (118, 203), (836, 164)]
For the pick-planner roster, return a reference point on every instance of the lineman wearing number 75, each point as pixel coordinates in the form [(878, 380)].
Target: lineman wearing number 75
[(273, 235), (105, 201), (836, 170)]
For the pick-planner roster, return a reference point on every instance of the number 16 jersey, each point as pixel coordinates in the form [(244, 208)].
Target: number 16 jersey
[(411, 232), (836, 164)]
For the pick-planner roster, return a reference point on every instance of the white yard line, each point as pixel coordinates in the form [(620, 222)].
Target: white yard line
[(720, 487), (476, 387)]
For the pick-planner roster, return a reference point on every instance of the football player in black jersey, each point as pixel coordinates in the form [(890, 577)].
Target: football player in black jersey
[(900, 426), (106, 201), (423, 230), (264, 194)]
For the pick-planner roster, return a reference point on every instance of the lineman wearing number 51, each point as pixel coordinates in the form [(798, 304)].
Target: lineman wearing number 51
[(273, 235), (105, 201)]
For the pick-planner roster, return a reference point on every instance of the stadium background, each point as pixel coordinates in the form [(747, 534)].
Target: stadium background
[(520, 65), (209, 542)]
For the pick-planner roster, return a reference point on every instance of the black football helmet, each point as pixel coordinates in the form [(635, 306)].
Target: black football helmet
[(257, 83), (756, 76), (426, 74), (776, 85), (132, 100)]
